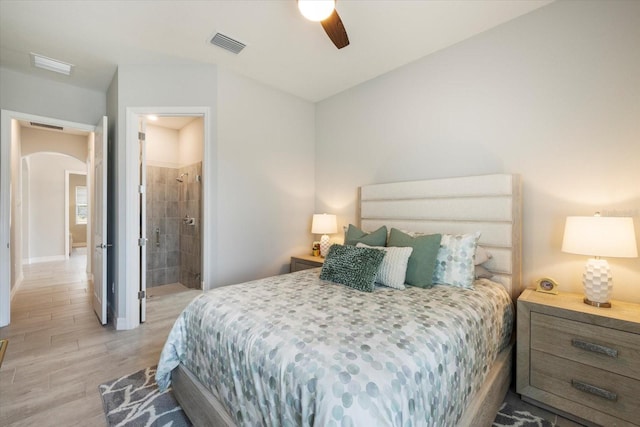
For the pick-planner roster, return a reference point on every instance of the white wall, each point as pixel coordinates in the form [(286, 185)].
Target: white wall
[(48, 98), (190, 147), (266, 178), (46, 204), (173, 148), (162, 146), (553, 95), (38, 140)]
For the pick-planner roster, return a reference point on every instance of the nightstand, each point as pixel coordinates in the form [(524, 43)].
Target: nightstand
[(580, 361), (304, 262)]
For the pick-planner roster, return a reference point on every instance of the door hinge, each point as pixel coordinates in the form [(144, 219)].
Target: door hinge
[(141, 189), (141, 136), (142, 241), (142, 294)]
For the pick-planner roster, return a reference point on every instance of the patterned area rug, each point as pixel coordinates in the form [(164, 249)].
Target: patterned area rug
[(509, 416), (135, 401)]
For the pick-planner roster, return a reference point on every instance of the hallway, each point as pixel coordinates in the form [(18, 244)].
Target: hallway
[(58, 353)]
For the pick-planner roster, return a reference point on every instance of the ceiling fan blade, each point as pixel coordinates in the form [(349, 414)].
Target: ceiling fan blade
[(335, 30)]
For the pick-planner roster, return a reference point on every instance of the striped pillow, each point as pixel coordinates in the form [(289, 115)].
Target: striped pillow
[(393, 269)]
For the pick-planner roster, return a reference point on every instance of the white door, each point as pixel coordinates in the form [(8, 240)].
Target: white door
[(100, 224), (142, 295)]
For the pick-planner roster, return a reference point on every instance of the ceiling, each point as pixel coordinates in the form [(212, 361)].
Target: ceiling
[(171, 122), (284, 50)]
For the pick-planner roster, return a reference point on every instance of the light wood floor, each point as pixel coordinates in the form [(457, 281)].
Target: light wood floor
[(58, 353)]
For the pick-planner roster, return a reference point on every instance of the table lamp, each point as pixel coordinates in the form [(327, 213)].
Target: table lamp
[(599, 236), (324, 224)]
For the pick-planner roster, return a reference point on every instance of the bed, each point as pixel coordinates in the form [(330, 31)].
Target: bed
[(367, 360)]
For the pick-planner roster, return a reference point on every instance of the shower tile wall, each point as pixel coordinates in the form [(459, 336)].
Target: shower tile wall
[(163, 226), (174, 251), (191, 235)]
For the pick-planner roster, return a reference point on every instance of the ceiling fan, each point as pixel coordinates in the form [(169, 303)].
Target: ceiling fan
[(324, 11)]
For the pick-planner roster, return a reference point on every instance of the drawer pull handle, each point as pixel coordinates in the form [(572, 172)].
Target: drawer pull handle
[(594, 348), (597, 391)]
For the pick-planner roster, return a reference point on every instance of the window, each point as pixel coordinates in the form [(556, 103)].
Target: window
[(81, 205)]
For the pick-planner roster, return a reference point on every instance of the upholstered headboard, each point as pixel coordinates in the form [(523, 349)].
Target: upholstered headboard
[(490, 204)]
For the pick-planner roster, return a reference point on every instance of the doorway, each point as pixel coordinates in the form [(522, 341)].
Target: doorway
[(133, 253), (173, 171), (24, 139), (170, 204)]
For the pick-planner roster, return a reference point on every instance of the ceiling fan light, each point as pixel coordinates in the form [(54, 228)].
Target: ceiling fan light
[(316, 10)]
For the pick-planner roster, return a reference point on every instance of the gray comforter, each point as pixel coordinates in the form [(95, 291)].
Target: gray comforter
[(296, 350)]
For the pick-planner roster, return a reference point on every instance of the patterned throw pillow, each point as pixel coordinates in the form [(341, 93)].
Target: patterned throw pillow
[(454, 265), (354, 235), (423, 258), (394, 265), (352, 266)]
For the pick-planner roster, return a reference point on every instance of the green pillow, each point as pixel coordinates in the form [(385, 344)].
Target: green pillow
[(352, 266), (354, 236), (422, 261)]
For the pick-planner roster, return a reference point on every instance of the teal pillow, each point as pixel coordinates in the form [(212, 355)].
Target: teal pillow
[(354, 235), (352, 266), (422, 261)]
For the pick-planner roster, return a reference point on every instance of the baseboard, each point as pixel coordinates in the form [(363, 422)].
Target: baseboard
[(16, 286), (46, 259), (120, 324)]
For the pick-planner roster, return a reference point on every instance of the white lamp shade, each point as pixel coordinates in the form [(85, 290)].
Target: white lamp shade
[(324, 224), (600, 236), (316, 10)]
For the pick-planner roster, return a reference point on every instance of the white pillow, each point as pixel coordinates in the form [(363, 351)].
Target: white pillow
[(393, 269), (482, 255)]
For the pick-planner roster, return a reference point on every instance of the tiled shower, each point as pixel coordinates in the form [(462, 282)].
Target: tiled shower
[(174, 212)]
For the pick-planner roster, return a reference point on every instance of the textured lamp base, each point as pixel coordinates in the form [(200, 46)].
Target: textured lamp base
[(598, 284), (324, 245)]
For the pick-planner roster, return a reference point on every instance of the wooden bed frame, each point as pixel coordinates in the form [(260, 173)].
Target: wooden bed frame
[(488, 203)]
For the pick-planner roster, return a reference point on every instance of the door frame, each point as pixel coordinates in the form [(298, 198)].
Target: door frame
[(131, 261), (6, 116)]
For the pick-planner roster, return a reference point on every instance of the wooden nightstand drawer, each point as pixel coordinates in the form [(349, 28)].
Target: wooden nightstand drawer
[(579, 360), (596, 346), (305, 262), (604, 391)]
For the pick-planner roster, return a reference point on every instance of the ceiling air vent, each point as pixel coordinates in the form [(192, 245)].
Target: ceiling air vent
[(44, 125), (227, 43)]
